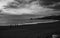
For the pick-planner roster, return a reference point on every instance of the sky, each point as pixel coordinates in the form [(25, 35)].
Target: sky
[(32, 8)]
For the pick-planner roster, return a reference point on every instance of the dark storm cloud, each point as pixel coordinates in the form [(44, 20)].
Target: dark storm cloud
[(53, 4)]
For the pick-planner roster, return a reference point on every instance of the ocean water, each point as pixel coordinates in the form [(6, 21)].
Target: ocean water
[(22, 19)]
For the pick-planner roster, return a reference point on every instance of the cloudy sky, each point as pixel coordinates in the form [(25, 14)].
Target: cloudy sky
[(32, 8)]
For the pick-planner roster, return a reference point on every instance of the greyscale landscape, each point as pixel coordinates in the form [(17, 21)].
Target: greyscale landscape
[(8, 18)]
